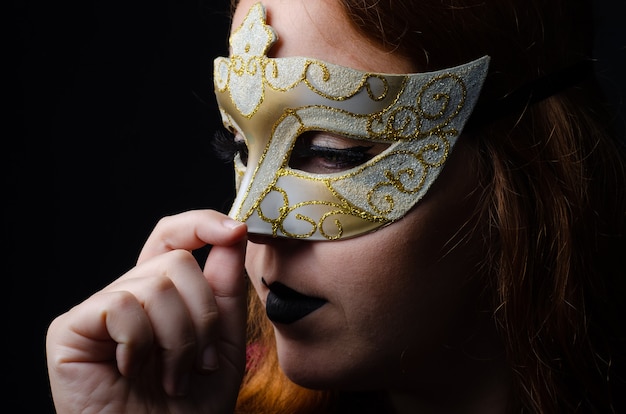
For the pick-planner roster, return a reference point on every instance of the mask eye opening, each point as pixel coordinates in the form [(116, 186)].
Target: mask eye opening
[(321, 152)]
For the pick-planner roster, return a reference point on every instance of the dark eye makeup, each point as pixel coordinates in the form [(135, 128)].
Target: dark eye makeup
[(314, 151), (317, 158), (322, 152)]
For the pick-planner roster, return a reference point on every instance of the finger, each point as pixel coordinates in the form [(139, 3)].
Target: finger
[(155, 321), (191, 230), (223, 269), (170, 316), (174, 333), (182, 269), (108, 327)]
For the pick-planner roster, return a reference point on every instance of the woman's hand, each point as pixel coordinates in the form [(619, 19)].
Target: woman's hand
[(166, 337)]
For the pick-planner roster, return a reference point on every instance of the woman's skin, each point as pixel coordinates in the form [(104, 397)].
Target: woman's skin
[(404, 311), (399, 315), (151, 336)]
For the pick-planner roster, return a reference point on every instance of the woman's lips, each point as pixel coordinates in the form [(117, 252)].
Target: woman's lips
[(285, 305)]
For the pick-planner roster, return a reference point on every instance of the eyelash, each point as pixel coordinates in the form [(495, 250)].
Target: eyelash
[(226, 148), (336, 158)]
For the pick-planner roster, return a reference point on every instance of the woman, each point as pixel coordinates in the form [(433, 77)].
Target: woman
[(450, 240)]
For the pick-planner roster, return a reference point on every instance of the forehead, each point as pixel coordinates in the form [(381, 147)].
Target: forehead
[(321, 30)]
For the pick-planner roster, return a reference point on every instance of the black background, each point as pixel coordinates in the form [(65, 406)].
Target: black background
[(111, 111), (113, 115)]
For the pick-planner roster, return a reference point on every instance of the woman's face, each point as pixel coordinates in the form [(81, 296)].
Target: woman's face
[(397, 302)]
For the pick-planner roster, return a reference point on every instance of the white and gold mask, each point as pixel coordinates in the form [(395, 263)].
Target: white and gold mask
[(270, 102)]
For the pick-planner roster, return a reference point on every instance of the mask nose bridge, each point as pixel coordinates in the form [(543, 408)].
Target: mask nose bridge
[(270, 143)]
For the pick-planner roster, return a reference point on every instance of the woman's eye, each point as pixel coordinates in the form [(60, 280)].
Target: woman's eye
[(319, 159), (324, 153), (227, 146)]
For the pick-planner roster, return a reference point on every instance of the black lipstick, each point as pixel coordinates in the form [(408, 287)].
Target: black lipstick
[(285, 305)]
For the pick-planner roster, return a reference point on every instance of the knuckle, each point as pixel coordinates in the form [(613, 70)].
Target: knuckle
[(160, 283), (208, 319), (180, 257)]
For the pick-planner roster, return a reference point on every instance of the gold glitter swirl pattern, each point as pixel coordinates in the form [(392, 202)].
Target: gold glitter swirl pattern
[(254, 73), (248, 71), (408, 180), (433, 103), (420, 116), (281, 211)]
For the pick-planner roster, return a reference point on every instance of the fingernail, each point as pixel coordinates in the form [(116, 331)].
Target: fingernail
[(231, 224), (209, 358)]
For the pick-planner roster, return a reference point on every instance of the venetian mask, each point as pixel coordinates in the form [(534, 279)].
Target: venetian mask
[(270, 102)]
